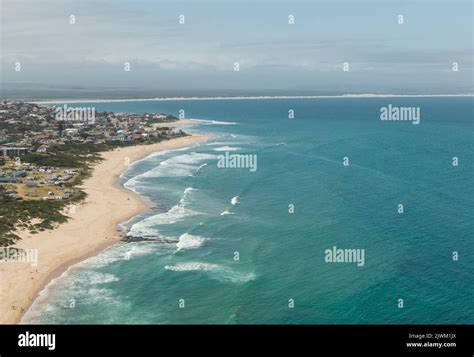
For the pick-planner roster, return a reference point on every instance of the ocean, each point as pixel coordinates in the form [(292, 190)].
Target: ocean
[(228, 245)]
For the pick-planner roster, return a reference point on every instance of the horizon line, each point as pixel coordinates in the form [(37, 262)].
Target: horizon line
[(367, 95)]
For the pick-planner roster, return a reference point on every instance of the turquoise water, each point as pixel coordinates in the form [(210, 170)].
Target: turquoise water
[(195, 230)]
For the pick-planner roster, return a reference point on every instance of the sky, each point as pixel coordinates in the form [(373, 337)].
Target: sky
[(383, 55)]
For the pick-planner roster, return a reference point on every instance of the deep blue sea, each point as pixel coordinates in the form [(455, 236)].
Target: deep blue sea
[(204, 217)]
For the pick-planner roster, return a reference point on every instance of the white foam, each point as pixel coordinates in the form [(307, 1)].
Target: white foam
[(217, 143), (157, 154), (133, 182), (96, 278), (131, 185), (213, 122), (227, 148), (232, 276), (199, 168), (226, 212), (103, 297), (187, 190), (117, 253), (83, 284), (218, 272), (183, 165), (191, 266), (175, 214), (188, 241)]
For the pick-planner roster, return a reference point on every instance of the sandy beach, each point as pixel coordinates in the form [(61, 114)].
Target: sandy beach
[(92, 227), (262, 97), (177, 124)]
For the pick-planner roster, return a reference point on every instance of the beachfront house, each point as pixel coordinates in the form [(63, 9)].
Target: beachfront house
[(13, 151)]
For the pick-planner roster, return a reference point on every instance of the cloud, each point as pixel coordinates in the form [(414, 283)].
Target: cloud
[(147, 34)]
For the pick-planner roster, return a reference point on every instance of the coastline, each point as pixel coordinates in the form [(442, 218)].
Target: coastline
[(92, 228), (163, 99)]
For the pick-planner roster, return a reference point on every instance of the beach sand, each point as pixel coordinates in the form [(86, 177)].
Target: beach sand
[(93, 227), (176, 124)]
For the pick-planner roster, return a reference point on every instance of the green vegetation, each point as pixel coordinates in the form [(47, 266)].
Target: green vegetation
[(18, 214), (47, 213), (76, 156), (168, 119)]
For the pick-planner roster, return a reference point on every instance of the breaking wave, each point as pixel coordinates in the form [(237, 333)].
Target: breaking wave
[(227, 148), (183, 165), (188, 241), (213, 122), (175, 214), (215, 271)]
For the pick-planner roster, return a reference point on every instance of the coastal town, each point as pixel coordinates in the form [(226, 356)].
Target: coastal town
[(46, 152)]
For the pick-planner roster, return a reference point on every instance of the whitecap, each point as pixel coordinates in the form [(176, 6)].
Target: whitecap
[(118, 253), (213, 122), (191, 266), (96, 278), (215, 271), (188, 241), (227, 148), (219, 143), (226, 212), (179, 166), (199, 168), (177, 213)]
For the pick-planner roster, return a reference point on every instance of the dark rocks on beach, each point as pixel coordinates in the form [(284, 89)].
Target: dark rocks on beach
[(130, 239)]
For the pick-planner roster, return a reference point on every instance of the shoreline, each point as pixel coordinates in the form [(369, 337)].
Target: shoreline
[(159, 99), (92, 228)]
